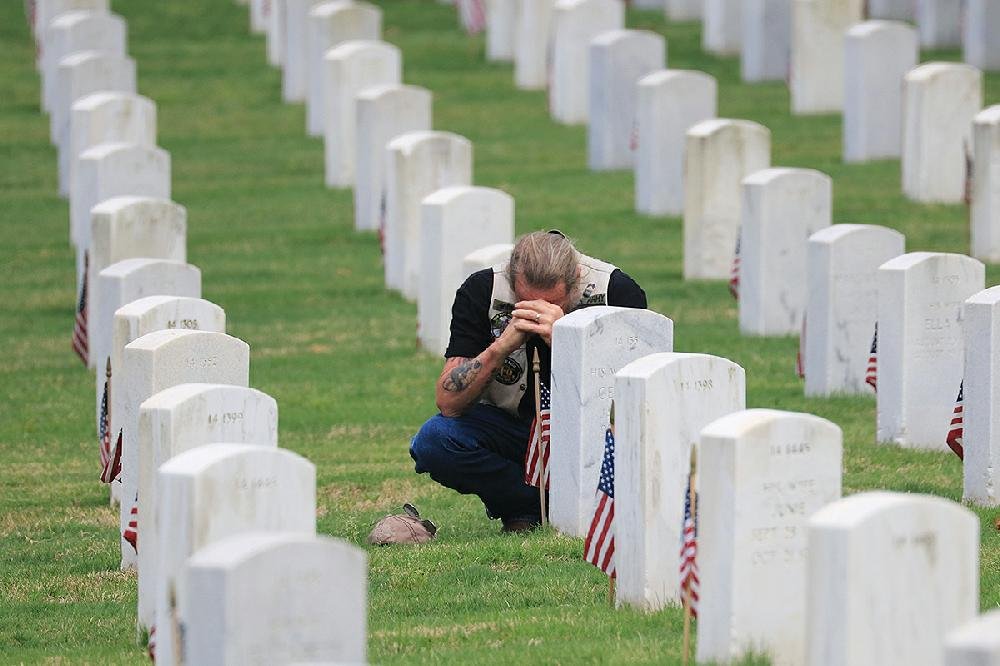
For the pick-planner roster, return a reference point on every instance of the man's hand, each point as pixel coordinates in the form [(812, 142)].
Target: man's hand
[(536, 317)]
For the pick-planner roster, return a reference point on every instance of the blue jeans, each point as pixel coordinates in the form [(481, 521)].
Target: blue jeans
[(480, 453)]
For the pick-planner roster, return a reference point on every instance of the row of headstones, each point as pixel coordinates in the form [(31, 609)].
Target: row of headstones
[(138, 292), (771, 524)]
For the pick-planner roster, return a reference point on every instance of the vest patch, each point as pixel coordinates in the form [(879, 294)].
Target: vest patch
[(510, 372)]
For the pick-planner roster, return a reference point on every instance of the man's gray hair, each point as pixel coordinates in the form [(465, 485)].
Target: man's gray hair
[(544, 259)]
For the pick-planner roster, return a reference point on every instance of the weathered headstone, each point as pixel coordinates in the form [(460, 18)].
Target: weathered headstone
[(939, 23), (276, 32), (842, 304), (817, 58), (588, 347), (575, 23), (893, 10), (331, 24), (347, 70), (981, 25), (670, 102), (105, 117), (46, 10), (940, 101), (975, 643), (618, 59), (889, 575), (921, 344), (416, 164), (78, 31), (501, 20), (877, 55), (294, 76), (486, 257), (763, 474), (766, 40), (531, 43), (238, 596), (981, 409), (80, 74), (722, 27), (213, 492), (782, 208), (178, 419), (454, 221), (382, 113), (985, 205), (662, 401), (684, 10), (719, 154)]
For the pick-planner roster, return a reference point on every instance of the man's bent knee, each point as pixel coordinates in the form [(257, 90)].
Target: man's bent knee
[(430, 446)]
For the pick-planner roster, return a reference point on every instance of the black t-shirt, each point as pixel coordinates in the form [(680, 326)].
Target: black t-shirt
[(470, 323)]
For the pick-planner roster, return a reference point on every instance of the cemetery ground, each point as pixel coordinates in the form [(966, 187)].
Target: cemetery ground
[(278, 251)]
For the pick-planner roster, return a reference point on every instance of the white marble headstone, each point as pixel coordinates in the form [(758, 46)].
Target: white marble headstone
[(258, 16), (981, 408), (981, 25), (239, 596), (532, 35), (877, 55), (816, 72), (416, 164), (985, 206), (939, 22), (486, 257), (782, 208), (940, 100), (762, 474), (670, 102), (212, 492), (722, 26), (766, 40), (45, 11), (588, 347), (842, 304), (921, 344), (294, 76), (889, 575), (719, 154), (383, 113), (275, 32), (347, 70), (501, 21), (78, 31), (574, 24), (975, 643), (662, 401), (178, 419), (80, 74), (618, 59)]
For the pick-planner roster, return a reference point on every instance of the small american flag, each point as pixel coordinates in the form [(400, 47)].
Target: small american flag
[(472, 14), (689, 554), (113, 466), (104, 426), (957, 428), (599, 547), (538, 441), (871, 374), (131, 533), (734, 272), (80, 324)]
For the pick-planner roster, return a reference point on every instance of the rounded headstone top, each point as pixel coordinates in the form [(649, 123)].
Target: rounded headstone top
[(712, 126), (356, 47), (167, 336), (989, 116), (121, 148), (127, 266), (932, 70), (774, 174), (100, 98), (170, 398), (747, 421), (236, 550), (388, 90), (856, 510), (79, 57), (989, 297), (451, 193), (196, 461), (120, 204), (980, 634), (673, 76), (70, 18), (615, 37), (141, 306), (649, 365), (910, 259), (410, 141), (586, 317), (876, 26), (835, 232)]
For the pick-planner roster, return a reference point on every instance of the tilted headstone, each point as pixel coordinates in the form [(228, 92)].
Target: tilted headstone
[(618, 59), (382, 113), (588, 347), (921, 344), (276, 33), (105, 117), (939, 23), (981, 408), (670, 102), (981, 25), (662, 401), (940, 101), (416, 164), (842, 304), (575, 23), (178, 419), (766, 40), (347, 70), (893, 10), (239, 596), (531, 43), (782, 208), (877, 55), (816, 78), (454, 222), (486, 257), (80, 74), (45, 11), (722, 28), (762, 474), (218, 491), (501, 20), (96, 31), (294, 75), (985, 205), (157, 361), (684, 10), (719, 154), (889, 575), (975, 643), (330, 25)]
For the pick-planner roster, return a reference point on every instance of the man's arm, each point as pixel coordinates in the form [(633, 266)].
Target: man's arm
[(463, 380)]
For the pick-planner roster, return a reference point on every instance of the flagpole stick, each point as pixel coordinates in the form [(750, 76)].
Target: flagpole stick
[(536, 368), (688, 591), (611, 591)]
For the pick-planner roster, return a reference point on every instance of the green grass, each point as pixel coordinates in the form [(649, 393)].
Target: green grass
[(278, 252)]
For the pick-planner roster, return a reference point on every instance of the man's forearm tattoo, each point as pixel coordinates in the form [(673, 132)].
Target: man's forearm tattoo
[(462, 375)]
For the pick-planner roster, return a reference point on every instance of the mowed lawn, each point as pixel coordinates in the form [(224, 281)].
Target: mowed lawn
[(277, 250)]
